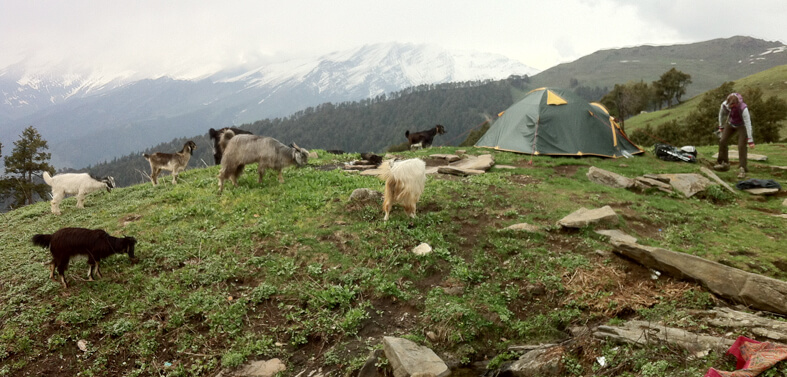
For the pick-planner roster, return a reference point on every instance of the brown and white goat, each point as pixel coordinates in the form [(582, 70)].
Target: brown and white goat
[(215, 135), (174, 162), (267, 152), (423, 138), (404, 184), (96, 244), (80, 184)]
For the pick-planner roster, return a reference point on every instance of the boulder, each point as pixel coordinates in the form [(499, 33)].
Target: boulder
[(584, 217), (407, 358), (750, 289), (609, 178)]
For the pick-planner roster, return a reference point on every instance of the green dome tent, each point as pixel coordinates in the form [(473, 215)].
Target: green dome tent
[(557, 122)]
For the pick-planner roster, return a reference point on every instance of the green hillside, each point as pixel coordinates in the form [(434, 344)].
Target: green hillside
[(298, 272), (772, 82)]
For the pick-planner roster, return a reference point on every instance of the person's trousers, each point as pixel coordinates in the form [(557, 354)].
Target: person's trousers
[(726, 135)]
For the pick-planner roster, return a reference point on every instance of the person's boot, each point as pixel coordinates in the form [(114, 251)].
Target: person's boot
[(741, 173), (722, 166)]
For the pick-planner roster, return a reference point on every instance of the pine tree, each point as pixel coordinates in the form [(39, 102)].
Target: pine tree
[(24, 163)]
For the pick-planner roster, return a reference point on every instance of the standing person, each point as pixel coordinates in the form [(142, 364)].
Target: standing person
[(734, 117)]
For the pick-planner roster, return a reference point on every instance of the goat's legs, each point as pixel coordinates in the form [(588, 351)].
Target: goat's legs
[(409, 209), (81, 199), (281, 178), (56, 198), (98, 271), (154, 175), (175, 177), (52, 270), (260, 172)]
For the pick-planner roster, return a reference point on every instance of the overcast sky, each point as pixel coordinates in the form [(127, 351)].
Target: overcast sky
[(191, 37)]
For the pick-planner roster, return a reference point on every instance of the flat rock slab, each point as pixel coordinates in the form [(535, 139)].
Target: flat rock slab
[(526, 227), (608, 178), (584, 217), (756, 291), (408, 358), (649, 333), (615, 234), (687, 184), (733, 155), (447, 157), (458, 171), (267, 368), (710, 174), (482, 162), (763, 191)]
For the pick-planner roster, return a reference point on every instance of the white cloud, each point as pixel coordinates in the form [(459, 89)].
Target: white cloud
[(192, 37)]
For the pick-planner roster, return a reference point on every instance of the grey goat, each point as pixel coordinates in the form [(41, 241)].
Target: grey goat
[(267, 152)]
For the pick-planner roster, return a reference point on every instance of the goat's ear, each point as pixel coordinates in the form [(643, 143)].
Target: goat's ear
[(294, 145)]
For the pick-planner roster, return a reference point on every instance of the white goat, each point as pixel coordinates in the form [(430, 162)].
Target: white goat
[(267, 152), (174, 162), (80, 184)]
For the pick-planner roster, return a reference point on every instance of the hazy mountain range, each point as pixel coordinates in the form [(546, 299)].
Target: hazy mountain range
[(92, 117)]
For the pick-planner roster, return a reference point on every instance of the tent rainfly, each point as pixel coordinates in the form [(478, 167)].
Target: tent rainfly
[(557, 122)]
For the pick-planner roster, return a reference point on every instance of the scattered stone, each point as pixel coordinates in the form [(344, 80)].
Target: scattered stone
[(538, 362), (261, 368), (313, 154), (364, 194), (608, 178), (584, 217), (453, 170), (615, 234), (407, 358), (603, 253), (431, 170), (82, 345), (431, 336), (644, 183), (688, 184), (756, 291), (784, 203), (447, 157), (643, 333), (716, 178), (422, 249), (733, 156), (505, 167), (526, 227), (762, 327), (762, 191)]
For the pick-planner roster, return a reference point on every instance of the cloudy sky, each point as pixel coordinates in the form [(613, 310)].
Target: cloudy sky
[(192, 37)]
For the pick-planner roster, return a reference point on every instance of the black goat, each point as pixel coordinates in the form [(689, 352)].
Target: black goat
[(96, 244), (423, 138), (218, 149)]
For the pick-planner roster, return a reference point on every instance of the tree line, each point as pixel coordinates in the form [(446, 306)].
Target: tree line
[(378, 124)]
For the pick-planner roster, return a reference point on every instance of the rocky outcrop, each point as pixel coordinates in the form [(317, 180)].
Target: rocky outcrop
[(753, 290), (608, 178)]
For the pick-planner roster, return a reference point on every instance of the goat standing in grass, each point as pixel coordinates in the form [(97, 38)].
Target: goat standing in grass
[(404, 184), (423, 139), (267, 152), (174, 162), (96, 244), (80, 184), (218, 148)]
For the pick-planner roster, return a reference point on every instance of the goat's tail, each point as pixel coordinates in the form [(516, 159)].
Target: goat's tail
[(47, 178), (42, 240)]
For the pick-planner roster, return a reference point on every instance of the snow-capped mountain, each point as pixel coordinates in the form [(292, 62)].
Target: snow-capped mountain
[(109, 115)]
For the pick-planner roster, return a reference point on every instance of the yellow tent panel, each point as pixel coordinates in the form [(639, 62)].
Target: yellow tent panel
[(554, 99)]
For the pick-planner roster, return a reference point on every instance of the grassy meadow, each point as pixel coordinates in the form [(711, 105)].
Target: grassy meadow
[(298, 272)]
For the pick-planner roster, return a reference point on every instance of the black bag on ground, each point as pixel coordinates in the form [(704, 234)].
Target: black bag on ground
[(757, 183), (667, 152)]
